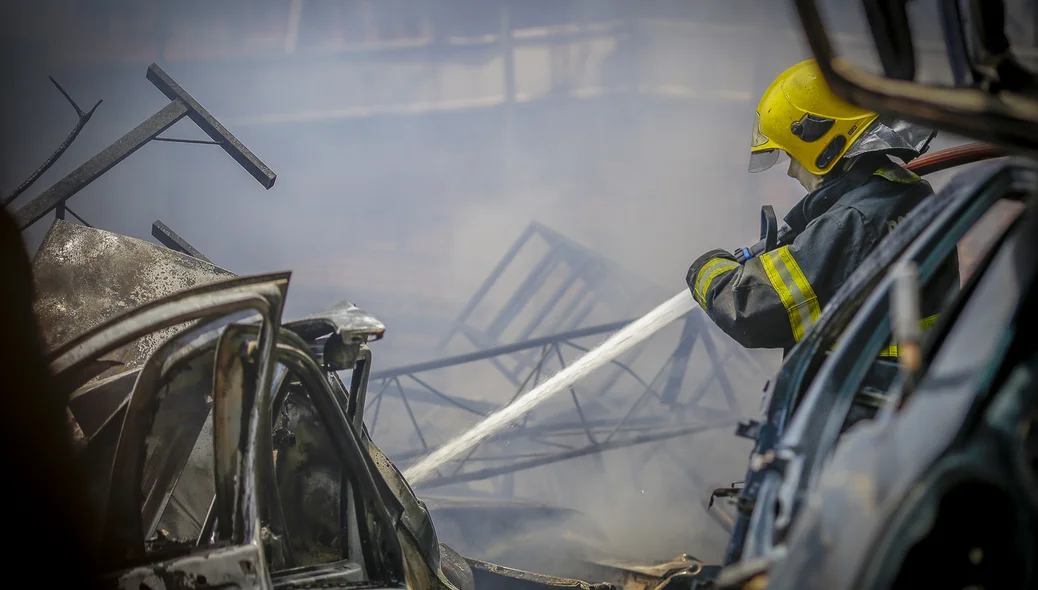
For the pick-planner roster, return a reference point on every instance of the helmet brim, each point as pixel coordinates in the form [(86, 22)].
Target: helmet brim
[(765, 159)]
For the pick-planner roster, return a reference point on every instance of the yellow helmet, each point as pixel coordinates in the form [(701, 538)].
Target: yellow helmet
[(799, 116)]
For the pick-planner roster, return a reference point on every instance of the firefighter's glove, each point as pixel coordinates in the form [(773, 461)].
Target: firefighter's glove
[(704, 270)]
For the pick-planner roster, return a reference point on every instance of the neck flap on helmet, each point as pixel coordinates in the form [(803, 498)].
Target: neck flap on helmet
[(906, 141)]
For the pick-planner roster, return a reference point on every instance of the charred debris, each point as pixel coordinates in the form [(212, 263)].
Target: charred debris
[(222, 447)]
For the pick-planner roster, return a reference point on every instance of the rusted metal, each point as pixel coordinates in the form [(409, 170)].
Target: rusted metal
[(158, 315), (122, 532), (85, 277)]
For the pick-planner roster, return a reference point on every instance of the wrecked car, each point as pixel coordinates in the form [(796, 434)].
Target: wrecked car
[(868, 473), (222, 444)]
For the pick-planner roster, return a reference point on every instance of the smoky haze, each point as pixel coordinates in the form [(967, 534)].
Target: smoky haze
[(405, 174)]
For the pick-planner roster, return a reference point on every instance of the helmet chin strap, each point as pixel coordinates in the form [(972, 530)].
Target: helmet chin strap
[(809, 181)]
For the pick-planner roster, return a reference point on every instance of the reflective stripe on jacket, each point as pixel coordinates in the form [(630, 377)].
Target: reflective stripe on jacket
[(771, 301)]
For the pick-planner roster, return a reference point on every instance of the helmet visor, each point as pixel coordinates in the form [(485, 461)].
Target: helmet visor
[(761, 161)]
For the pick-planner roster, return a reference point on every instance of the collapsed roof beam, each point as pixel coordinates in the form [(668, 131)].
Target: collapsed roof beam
[(172, 240), (181, 105)]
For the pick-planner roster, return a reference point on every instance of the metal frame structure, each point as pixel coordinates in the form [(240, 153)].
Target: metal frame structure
[(609, 416), (181, 105)]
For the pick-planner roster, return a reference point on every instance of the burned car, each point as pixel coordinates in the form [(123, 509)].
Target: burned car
[(222, 444), (230, 452)]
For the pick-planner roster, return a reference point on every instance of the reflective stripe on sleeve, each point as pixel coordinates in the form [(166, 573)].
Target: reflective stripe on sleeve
[(714, 268), (925, 324), (898, 174), (795, 292)]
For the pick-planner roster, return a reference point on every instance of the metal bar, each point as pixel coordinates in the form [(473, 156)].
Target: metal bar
[(535, 374), (173, 241), (102, 162), (701, 391), (518, 300), (179, 140), (358, 390), (508, 485), (564, 456), (580, 413), (446, 397), (576, 402), (371, 403), (551, 443), (478, 407), (722, 378), (585, 309), (517, 393), (213, 128), (499, 350), (679, 360), (374, 418), (524, 359), (623, 366), (414, 421), (477, 341), (84, 118), (495, 274), (74, 214), (510, 457), (461, 463), (637, 402), (618, 370), (546, 309)]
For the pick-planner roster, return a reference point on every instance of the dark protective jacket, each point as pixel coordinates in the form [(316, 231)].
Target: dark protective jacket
[(771, 300)]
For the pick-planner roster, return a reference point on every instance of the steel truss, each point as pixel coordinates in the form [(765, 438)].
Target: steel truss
[(570, 285)]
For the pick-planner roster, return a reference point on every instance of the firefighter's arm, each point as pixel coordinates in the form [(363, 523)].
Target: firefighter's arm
[(771, 300)]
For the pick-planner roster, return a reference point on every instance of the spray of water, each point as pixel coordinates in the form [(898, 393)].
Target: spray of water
[(617, 344)]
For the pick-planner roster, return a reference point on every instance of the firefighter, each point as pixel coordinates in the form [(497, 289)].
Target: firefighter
[(856, 195)]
